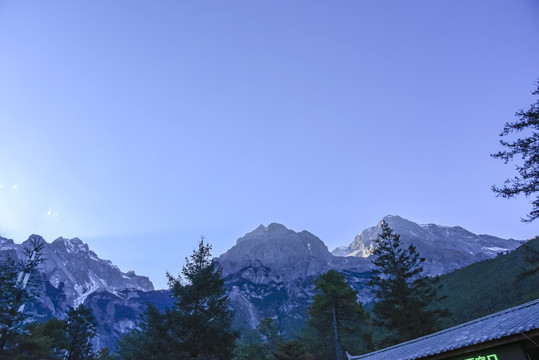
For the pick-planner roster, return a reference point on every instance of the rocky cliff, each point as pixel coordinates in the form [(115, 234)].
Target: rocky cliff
[(445, 248), (270, 272), (71, 274)]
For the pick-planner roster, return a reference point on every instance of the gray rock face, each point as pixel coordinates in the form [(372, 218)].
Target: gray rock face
[(444, 248), (275, 253), (270, 272), (70, 264), (71, 273), (7, 244), (118, 313)]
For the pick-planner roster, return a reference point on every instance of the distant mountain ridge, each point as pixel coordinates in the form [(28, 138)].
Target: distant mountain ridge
[(445, 248), (288, 254), (72, 274), (71, 265), (269, 272)]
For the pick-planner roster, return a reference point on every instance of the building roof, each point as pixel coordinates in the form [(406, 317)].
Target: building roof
[(518, 319)]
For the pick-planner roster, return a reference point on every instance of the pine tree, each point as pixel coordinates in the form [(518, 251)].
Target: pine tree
[(260, 343), (80, 330), (17, 282), (404, 298), (201, 318), (527, 149), (248, 346), (154, 339), (268, 329), (11, 298), (198, 326), (291, 350), (335, 316), (46, 340)]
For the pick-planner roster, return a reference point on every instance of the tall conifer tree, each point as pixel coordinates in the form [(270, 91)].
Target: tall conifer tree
[(17, 285), (80, 330), (201, 309), (198, 326), (405, 297), (335, 317), (525, 152)]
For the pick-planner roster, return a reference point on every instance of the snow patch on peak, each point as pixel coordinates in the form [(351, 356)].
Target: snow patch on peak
[(495, 249), (75, 246), (88, 288)]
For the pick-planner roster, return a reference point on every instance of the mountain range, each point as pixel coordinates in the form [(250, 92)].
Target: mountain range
[(72, 274), (269, 272), (445, 248)]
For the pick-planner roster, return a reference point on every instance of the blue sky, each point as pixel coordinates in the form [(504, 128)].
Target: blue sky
[(138, 126)]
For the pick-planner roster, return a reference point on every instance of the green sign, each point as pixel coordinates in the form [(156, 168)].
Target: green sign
[(488, 357), (511, 352)]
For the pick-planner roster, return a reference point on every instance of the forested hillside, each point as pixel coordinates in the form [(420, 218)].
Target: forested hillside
[(492, 285)]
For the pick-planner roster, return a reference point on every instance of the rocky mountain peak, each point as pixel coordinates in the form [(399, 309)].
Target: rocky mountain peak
[(279, 253), (265, 233), (71, 266), (72, 246), (273, 268), (277, 229), (6, 244), (446, 248)]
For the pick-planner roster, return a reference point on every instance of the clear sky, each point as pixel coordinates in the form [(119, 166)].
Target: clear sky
[(138, 126)]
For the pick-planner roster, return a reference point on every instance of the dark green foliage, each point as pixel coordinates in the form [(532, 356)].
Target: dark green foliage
[(16, 290), (104, 354), (403, 298), (269, 331), (198, 326), (247, 346), (530, 264), (202, 307), (150, 341), (46, 340), (491, 285), (525, 149), (291, 350), (260, 343), (12, 296), (80, 329), (335, 318)]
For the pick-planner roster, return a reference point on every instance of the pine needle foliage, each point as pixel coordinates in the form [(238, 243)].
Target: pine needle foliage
[(527, 149), (17, 288), (404, 297), (80, 330), (336, 317), (202, 307), (198, 326)]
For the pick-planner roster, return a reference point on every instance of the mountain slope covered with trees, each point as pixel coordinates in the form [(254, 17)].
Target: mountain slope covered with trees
[(492, 285)]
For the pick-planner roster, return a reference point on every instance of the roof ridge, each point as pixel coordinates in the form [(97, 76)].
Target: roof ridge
[(453, 328)]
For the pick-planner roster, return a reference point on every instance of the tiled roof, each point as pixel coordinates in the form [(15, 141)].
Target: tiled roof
[(512, 321)]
